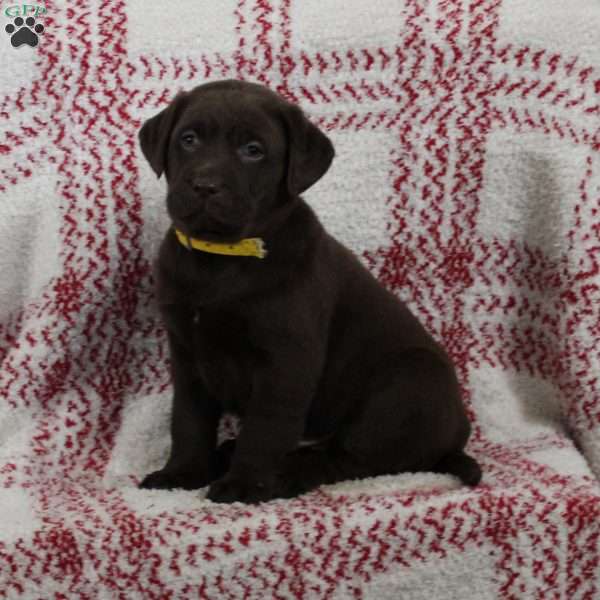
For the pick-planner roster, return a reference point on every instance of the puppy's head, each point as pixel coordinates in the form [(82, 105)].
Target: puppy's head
[(234, 155)]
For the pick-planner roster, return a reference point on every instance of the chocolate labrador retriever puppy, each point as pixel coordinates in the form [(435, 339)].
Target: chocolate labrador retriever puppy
[(271, 318)]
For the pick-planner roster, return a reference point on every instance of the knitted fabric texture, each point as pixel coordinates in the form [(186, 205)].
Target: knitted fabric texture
[(466, 177)]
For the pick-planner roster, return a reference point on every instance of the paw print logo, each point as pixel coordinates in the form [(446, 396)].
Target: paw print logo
[(24, 32)]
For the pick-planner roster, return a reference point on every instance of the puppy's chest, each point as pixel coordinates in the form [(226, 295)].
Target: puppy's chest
[(221, 334), (224, 354)]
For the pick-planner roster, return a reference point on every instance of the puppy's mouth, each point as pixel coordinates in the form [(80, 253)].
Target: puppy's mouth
[(225, 222), (225, 233)]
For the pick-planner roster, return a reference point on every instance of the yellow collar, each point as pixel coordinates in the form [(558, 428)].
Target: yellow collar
[(246, 247)]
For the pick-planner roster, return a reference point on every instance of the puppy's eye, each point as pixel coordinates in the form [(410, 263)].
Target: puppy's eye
[(189, 140), (251, 151)]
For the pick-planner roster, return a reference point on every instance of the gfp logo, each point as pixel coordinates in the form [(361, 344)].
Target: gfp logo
[(25, 10)]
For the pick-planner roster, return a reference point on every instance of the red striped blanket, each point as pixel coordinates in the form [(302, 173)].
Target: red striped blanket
[(467, 179)]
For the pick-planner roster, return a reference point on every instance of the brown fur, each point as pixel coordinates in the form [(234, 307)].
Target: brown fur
[(302, 344)]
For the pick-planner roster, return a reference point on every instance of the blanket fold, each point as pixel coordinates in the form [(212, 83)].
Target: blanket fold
[(467, 178)]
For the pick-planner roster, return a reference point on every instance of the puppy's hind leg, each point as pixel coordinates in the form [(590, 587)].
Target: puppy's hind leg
[(411, 420), (309, 467)]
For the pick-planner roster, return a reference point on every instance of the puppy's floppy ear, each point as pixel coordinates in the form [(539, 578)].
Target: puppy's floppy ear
[(155, 133), (310, 151)]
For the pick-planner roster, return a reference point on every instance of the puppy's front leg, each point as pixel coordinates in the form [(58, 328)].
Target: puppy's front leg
[(272, 426), (194, 423)]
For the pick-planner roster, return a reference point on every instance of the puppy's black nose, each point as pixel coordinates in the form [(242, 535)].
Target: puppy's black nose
[(205, 187)]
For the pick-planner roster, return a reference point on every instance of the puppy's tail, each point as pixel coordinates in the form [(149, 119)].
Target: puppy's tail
[(461, 465)]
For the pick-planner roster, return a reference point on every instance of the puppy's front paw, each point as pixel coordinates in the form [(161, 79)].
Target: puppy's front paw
[(168, 480), (232, 488)]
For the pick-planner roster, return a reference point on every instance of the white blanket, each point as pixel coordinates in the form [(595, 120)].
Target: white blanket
[(467, 177)]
